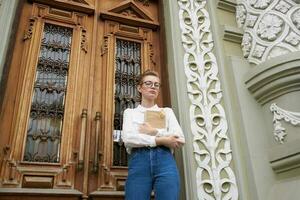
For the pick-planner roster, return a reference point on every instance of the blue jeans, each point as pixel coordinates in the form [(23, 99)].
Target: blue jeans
[(152, 169)]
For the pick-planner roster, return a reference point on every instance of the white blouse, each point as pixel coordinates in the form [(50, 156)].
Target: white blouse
[(133, 118)]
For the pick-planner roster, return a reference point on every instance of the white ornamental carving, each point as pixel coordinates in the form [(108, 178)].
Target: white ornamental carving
[(283, 7), (281, 114), (271, 28), (241, 14), (212, 150), (260, 3), (292, 39), (296, 18), (246, 44)]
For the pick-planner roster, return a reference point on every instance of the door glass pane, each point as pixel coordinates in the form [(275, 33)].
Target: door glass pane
[(47, 107), (128, 69)]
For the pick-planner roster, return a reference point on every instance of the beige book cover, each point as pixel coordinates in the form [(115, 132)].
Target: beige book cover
[(156, 119)]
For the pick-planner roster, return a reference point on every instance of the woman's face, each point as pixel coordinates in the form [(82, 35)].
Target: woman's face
[(149, 89)]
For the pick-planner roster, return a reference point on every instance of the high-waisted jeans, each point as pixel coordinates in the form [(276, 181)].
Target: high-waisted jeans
[(152, 169)]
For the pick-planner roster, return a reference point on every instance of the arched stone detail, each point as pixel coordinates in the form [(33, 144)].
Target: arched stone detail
[(271, 28)]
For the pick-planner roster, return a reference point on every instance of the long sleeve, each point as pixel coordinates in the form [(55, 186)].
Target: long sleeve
[(130, 135)]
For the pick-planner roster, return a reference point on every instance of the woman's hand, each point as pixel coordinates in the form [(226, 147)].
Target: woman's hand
[(145, 128), (172, 141)]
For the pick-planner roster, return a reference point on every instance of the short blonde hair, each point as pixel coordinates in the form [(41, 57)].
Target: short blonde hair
[(147, 73)]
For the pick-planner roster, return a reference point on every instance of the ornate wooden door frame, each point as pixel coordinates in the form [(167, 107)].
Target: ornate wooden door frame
[(118, 26), (87, 142), (60, 175)]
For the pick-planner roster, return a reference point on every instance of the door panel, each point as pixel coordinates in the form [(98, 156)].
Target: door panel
[(72, 75), (40, 140), (47, 107)]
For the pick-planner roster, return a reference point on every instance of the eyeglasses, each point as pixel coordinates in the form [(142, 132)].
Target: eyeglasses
[(150, 84)]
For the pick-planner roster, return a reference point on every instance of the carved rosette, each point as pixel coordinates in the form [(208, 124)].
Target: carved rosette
[(271, 28), (212, 150)]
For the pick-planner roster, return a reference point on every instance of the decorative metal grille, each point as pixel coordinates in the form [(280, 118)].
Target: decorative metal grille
[(128, 69), (47, 108)]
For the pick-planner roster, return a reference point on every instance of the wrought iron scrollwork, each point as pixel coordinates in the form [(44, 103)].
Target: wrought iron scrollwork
[(44, 110), (128, 69), (47, 107)]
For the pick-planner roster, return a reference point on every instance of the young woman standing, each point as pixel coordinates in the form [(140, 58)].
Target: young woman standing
[(151, 163)]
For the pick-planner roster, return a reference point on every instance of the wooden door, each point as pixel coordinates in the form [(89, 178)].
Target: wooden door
[(74, 70)]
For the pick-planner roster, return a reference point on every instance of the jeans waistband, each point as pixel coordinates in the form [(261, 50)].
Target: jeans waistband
[(149, 148)]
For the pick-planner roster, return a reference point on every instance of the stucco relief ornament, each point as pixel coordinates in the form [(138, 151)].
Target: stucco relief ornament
[(278, 51), (211, 144), (261, 4), (246, 44), (269, 27), (292, 39), (272, 25), (251, 20), (282, 6), (240, 15), (296, 18), (281, 114), (259, 51)]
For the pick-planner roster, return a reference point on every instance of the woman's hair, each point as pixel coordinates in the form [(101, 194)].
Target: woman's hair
[(147, 73)]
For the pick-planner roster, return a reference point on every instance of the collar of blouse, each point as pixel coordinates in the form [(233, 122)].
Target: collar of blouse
[(143, 109)]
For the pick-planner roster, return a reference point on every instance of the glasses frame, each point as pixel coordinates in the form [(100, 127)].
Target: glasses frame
[(150, 84)]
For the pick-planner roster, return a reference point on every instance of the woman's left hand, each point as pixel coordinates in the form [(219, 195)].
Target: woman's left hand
[(146, 128)]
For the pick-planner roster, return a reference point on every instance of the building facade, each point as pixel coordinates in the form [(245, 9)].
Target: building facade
[(230, 70)]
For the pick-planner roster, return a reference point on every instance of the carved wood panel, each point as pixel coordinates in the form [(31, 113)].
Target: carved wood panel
[(41, 132), (74, 71)]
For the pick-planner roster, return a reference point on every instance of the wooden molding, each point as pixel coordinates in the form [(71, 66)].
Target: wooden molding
[(37, 182), (40, 192), (78, 5), (140, 12), (80, 1), (129, 13), (28, 33), (129, 20)]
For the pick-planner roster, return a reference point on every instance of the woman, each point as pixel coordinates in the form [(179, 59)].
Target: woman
[(151, 163)]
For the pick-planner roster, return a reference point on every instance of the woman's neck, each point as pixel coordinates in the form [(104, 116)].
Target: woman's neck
[(147, 104)]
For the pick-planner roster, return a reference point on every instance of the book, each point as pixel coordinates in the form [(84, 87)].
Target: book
[(156, 119)]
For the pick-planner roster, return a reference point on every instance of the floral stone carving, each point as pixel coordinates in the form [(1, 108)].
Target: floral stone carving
[(271, 28), (212, 150), (281, 114)]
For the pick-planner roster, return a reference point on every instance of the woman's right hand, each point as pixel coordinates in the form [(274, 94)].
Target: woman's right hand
[(171, 141)]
